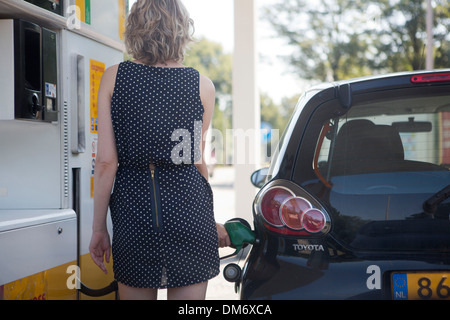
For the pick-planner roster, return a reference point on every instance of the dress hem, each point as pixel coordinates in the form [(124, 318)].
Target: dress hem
[(169, 286)]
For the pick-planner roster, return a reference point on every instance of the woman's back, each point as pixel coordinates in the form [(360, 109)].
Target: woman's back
[(161, 206), (157, 114)]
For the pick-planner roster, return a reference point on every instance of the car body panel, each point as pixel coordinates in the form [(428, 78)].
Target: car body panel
[(326, 267)]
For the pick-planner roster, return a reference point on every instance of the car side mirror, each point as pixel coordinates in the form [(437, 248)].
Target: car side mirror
[(258, 177)]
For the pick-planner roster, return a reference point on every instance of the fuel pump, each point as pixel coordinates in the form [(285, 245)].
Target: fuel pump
[(35, 72), (48, 99)]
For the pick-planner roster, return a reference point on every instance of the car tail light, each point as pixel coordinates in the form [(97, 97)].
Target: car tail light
[(271, 204), (313, 220), (431, 77), (292, 210), (287, 212)]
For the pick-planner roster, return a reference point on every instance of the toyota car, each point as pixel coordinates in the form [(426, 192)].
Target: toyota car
[(355, 203)]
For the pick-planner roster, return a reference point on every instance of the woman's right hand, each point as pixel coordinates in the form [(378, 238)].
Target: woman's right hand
[(100, 249), (224, 238)]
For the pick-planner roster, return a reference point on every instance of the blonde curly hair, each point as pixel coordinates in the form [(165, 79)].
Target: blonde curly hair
[(158, 31)]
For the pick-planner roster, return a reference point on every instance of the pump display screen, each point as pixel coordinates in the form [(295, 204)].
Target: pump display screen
[(32, 60), (51, 5)]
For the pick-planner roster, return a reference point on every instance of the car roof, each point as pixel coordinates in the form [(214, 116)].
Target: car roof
[(373, 78), (345, 89)]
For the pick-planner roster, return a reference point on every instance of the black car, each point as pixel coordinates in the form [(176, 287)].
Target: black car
[(354, 204)]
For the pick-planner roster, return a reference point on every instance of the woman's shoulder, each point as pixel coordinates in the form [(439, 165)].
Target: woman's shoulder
[(109, 78), (206, 85), (207, 93), (112, 70)]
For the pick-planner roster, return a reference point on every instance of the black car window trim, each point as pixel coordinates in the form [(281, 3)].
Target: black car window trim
[(328, 110), (325, 131), (292, 132)]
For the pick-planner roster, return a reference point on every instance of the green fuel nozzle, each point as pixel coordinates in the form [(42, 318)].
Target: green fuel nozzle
[(240, 235)]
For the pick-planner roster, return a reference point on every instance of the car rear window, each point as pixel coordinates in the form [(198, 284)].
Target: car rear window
[(380, 163)]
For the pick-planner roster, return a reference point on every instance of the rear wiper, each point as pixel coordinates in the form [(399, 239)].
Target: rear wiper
[(430, 206)]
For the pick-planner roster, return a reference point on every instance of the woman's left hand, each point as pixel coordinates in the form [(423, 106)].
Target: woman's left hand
[(100, 249), (224, 238)]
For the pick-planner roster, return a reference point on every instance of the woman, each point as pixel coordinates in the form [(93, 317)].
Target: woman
[(149, 113)]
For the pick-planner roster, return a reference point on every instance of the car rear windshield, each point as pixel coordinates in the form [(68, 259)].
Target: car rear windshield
[(380, 164)]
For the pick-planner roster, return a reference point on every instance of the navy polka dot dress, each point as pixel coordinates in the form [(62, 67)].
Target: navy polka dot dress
[(164, 232)]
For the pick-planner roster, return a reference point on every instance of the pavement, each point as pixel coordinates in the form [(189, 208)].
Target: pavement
[(223, 189), (222, 183)]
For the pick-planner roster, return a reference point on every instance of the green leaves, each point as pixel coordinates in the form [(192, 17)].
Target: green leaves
[(339, 39)]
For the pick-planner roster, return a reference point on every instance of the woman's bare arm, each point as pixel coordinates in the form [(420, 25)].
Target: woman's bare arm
[(105, 171)]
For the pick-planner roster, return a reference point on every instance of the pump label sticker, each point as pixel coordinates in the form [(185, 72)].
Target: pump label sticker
[(94, 155), (96, 72), (50, 90), (84, 10)]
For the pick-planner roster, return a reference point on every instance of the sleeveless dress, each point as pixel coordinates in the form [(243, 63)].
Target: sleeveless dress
[(164, 231)]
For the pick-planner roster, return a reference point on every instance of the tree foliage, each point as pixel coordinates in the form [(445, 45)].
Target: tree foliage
[(209, 58), (328, 46), (401, 37), (277, 115), (338, 39)]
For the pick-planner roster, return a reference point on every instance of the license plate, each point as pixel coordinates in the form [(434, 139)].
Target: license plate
[(421, 285)]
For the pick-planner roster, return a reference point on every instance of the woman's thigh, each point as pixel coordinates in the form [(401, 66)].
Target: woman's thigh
[(193, 292), (130, 293)]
